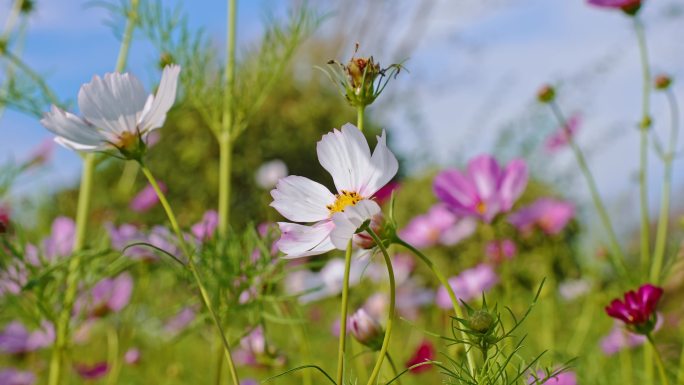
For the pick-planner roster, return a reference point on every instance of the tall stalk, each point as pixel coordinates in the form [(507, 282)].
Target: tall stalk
[(616, 254), (664, 216), (644, 126), (344, 308), (82, 211), (193, 269), (390, 316), (225, 136)]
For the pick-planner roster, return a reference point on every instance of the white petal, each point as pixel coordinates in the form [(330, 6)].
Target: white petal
[(300, 199), (383, 167), (71, 145), (154, 113), (72, 132), (301, 241), (349, 220), (114, 103), (346, 156)]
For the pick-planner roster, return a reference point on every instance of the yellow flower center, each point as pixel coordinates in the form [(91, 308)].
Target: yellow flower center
[(127, 140), (342, 200), (481, 207)]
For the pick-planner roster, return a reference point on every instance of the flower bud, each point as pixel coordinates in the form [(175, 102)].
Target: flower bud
[(662, 82), (28, 6), (546, 94), (366, 330), (362, 239), (480, 321), (165, 59)]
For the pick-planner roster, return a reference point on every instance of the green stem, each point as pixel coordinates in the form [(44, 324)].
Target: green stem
[(390, 317), (664, 217), (113, 356), (617, 256), (62, 335), (450, 291), (360, 112), (122, 59), (680, 374), (193, 269), (343, 315), (227, 122), (11, 20), (659, 362), (643, 128), (394, 368)]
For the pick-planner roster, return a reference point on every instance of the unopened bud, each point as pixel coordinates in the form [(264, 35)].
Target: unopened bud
[(662, 82), (362, 239), (27, 6), (366, 330), (546, 94), (165, 59), (480, 321)]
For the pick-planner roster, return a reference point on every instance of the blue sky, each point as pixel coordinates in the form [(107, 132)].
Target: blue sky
[(476, 68)]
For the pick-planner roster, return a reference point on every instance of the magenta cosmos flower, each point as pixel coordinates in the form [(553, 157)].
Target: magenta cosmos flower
[(357, 176), (16, 339), (549, 215), (638, 308), (500, 250), (484, 189), (562, 137), (4, 218), (424, 352), (630, 7)]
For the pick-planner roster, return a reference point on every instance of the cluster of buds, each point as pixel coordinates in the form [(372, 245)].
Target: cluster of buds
[(361, 80)]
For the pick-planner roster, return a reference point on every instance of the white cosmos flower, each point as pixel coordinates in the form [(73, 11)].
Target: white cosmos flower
[(357, 176), (117, 113)]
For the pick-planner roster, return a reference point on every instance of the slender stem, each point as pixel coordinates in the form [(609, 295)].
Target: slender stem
[(664, 217), (227, 122), (343, 315), (45, 89), (643, 128), (616, 253), (113, 356), (390, 316), (680, 373), (394, 367), (72, 275), (122, 59), (193, 269), (11, 20), (450, 291), (360, 112), (659, 362)]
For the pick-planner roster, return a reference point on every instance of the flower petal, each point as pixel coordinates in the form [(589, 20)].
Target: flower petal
[(346, 156), (156, 107), (485, 174), (72, 132), (383, 167), (349, 220), (300, 199), (513, 183), (301, 241), (113, 104), (456, 191)]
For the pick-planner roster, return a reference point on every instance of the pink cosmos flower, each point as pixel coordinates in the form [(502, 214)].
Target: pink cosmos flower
[(12, 376), (638, 308), (548, 214), (484, 190), (132, 356), (501, 250), (620, 338), (564, 378), (16, 339), (561, 138), (471, 283), (205, 229), (92, 371), (40, 155), (357, 176), (269, 173), (366, 329), (146, 198), (425, 352), (385, 193), (438, 226), (180, 321), (630, 7), (110, 295), (13, 278)]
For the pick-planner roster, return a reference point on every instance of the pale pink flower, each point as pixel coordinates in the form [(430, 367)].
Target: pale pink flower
[(562, 137), (470, 284), (357, 176)]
